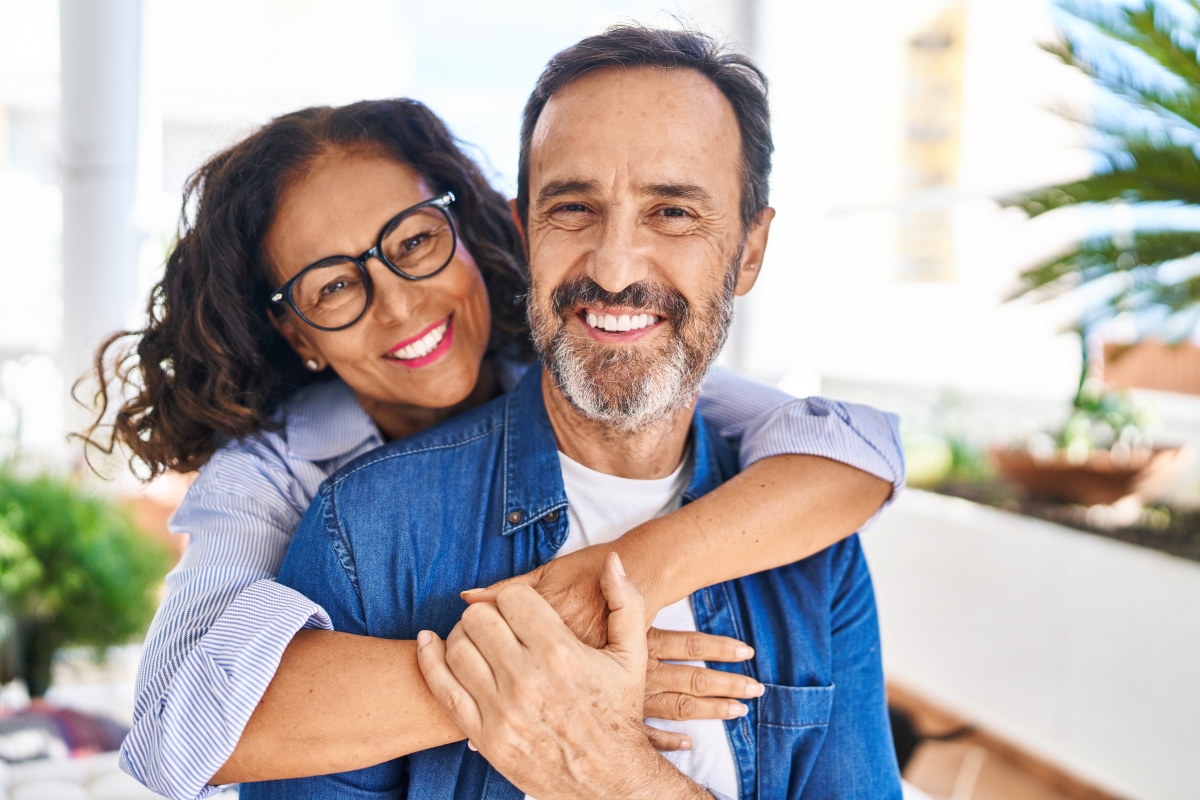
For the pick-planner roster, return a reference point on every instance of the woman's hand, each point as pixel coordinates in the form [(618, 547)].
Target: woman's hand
[(571, 585)]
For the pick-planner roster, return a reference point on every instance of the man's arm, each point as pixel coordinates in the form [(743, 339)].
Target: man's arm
[(550, 713)]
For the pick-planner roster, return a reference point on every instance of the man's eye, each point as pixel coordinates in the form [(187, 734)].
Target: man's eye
[(573, 208), (674, 212)]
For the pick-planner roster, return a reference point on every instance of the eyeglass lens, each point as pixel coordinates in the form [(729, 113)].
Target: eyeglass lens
[(334, 293)]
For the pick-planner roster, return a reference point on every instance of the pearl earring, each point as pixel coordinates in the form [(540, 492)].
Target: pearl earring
[(312, 364)]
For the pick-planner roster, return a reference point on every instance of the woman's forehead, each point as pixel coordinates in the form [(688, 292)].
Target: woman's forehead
[(338, 205)]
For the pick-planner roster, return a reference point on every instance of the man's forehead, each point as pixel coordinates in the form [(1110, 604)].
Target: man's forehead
[(668, 121)]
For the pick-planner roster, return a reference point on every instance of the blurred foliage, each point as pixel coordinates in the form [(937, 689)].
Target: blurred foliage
[(1142, 54), (941, 452), (74, 570), (1105, 419)]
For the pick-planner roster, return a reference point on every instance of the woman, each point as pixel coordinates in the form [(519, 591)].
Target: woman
[(269, 361)]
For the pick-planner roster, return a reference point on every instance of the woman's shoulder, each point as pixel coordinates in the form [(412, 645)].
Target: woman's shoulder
[(313, 434)]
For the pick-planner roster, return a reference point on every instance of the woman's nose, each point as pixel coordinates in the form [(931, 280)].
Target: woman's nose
[(396, 299)]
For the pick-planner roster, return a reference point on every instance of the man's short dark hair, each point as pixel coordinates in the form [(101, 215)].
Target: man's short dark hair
[(630, 46)]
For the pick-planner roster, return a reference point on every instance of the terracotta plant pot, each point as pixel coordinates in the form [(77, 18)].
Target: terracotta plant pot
[(1101, 480)]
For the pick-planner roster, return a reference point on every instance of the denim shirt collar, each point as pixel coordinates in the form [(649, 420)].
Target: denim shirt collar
[(533, 485)]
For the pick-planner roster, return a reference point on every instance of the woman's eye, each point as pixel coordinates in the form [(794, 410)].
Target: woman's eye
[(413, 242), (333, 287)]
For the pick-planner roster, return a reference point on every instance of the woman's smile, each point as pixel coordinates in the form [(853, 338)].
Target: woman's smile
[(426, 347)]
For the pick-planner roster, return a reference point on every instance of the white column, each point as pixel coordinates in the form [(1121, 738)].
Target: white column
[(101, 62)]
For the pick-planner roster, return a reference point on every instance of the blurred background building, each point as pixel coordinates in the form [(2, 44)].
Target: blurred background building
[(898, 125)]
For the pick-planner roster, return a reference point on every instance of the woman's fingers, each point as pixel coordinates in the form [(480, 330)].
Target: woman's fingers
[(667, 741), (695, 646), (669, 705), (698, 682)]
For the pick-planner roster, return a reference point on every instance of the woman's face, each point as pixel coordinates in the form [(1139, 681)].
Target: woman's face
[(338, 207)]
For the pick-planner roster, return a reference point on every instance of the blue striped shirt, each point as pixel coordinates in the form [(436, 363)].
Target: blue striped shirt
[(224, 623)]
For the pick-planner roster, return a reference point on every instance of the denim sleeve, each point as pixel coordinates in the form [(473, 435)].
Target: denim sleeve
[(769, 422), (857, 759), (223, 625), (320, 566)]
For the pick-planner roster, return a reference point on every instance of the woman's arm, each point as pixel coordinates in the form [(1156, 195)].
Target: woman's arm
[(242, 679), (845, 463)]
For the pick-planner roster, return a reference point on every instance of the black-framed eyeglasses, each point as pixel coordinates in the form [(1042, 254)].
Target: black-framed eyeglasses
[(335, 292)]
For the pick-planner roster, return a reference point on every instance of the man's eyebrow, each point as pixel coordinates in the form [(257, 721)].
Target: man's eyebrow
[(561, 188), (677, 191)]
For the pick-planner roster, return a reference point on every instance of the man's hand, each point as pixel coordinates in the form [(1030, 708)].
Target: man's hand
[(571, 585), (553, 715)]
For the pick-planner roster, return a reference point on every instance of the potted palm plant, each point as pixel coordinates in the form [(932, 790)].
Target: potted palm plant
[(1142, 56)]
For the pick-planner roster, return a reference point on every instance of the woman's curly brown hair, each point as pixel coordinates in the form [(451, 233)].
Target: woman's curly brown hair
[(209, 366)]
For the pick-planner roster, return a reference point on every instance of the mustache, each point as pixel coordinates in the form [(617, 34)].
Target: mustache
[(664, 301)]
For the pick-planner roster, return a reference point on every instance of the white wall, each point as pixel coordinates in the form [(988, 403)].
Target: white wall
[(1082, 650), (829, 302)]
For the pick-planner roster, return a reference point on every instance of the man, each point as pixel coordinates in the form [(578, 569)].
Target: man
[(643, 190)]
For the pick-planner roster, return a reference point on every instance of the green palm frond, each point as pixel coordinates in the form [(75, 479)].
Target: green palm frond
[(1146, 171), (1148, 155), (1141, 256)]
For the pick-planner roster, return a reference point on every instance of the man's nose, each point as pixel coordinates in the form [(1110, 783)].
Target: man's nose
[(619, 260)]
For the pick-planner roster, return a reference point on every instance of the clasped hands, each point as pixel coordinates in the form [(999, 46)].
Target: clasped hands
[(562, 718)]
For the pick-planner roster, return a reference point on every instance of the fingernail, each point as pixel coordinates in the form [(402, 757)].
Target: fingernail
[(736, 710), (744, 651), (470, 591), (755, 689), (424, 638), (686, 744), (471, 746), (620, 566)]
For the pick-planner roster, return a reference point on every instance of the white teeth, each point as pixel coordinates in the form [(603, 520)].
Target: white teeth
[(423, 346), (622, 322)]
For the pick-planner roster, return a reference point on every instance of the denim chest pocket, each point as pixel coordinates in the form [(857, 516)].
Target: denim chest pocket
[(791, 728)]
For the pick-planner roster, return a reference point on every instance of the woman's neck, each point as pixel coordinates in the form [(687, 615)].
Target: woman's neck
[(397, 420)]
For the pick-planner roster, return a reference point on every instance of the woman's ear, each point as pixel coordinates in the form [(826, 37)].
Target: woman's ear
[(516, 218), (756, 250), (290, 330)]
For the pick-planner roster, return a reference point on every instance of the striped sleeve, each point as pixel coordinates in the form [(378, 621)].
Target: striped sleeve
[(221, 630), (770, 422)]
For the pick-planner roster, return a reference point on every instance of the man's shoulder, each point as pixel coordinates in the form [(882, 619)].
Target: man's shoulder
[(446, 440)]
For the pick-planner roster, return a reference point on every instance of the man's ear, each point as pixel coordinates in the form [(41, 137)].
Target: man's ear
[(289, 328), (516, 218), (756, 249)]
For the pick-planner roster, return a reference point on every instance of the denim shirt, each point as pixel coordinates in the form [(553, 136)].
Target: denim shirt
[(388, 562)]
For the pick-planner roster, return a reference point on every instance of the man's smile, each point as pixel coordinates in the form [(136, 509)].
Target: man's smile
[(618, 324)]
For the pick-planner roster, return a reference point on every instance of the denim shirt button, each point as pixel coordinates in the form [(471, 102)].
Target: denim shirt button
[(516, 516), (552, 516)]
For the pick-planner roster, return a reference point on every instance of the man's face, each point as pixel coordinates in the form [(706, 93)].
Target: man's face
[(636, 239)]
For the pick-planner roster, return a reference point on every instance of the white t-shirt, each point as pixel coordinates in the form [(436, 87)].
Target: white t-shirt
[(602, 508)]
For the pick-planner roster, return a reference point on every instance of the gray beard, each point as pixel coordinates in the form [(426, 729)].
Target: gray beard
[(631, 390)]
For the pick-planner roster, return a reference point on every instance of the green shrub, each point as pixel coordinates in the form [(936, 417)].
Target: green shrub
[(74, 571)]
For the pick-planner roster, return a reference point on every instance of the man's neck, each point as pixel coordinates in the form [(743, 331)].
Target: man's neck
[(644, 454)]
